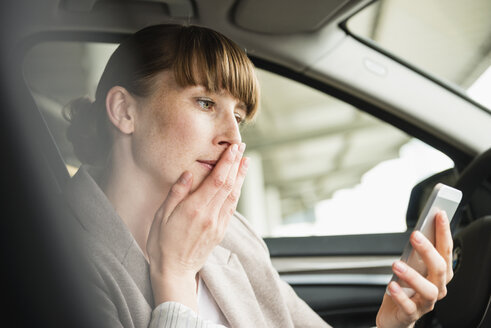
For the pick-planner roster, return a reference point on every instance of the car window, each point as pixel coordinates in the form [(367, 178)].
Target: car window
[(58, 72), (448, 39), (323, 167), (319, 166)]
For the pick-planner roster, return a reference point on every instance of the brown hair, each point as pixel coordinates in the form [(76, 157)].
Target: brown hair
[(196, 55)]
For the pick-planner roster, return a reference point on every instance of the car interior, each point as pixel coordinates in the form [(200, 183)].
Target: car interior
[(341, 104)]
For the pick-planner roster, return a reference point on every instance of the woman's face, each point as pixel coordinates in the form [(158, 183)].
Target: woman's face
[(183, 128)]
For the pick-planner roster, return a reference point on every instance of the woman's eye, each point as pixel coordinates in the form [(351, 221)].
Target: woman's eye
[(205, 103), (239, 118)]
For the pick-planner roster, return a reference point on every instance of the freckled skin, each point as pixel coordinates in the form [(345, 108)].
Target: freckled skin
[(172, 131)]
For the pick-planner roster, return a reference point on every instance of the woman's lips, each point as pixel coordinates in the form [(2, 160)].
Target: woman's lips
[(208, 164)]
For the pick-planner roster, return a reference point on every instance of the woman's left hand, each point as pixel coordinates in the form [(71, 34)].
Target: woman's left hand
[(399, 310)]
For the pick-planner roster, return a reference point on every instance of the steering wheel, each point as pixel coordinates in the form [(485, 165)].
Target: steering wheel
[(468, 301)]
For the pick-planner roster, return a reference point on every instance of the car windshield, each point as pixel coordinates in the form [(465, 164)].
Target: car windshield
[(450, 40)]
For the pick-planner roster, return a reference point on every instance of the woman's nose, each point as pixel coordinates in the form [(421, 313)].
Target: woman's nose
[(228, 131)]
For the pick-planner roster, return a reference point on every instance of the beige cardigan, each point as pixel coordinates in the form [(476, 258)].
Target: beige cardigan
[(238, 272)]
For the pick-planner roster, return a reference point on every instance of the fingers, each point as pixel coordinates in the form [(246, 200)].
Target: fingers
[(234, 195), (444, 241), (227, 190), (176, 194), (405, 304), (437, 266), (218, 177), (429, 289), (230, 204), (433, 260), (428, 292)]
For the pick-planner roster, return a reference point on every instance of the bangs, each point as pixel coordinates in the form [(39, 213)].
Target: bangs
[(209, 59)]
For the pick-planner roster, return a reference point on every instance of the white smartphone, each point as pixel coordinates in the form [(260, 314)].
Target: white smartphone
[(443, 198)]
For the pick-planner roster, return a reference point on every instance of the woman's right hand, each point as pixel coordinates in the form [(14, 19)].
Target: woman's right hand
[(188, 226)]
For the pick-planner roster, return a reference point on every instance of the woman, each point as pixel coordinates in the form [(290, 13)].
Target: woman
[(157, 205)]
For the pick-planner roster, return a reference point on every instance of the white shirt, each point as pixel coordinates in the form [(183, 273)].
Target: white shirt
[(208, 307)]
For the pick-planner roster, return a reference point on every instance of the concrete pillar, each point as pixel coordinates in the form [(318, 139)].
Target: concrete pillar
[(252, 202), (273, 209)]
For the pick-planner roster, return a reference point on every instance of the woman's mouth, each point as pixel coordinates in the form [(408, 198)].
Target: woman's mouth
[(209, 165)]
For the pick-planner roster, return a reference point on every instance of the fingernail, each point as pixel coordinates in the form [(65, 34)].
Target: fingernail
[(394, 288), (233, 150), (184, 179), (242, 147), (400, 267), (418, 237)]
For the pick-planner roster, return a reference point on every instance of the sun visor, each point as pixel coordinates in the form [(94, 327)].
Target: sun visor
[(176, 8), (284, 17)]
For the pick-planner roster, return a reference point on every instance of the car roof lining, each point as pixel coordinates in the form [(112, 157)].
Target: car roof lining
[(295, 50)]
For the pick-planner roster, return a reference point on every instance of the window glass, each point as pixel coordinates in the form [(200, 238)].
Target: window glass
[(448, 39), (58, 72), (318, 165), (322, 167)]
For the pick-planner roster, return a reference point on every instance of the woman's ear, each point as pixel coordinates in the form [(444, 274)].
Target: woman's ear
[(120, 107)]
